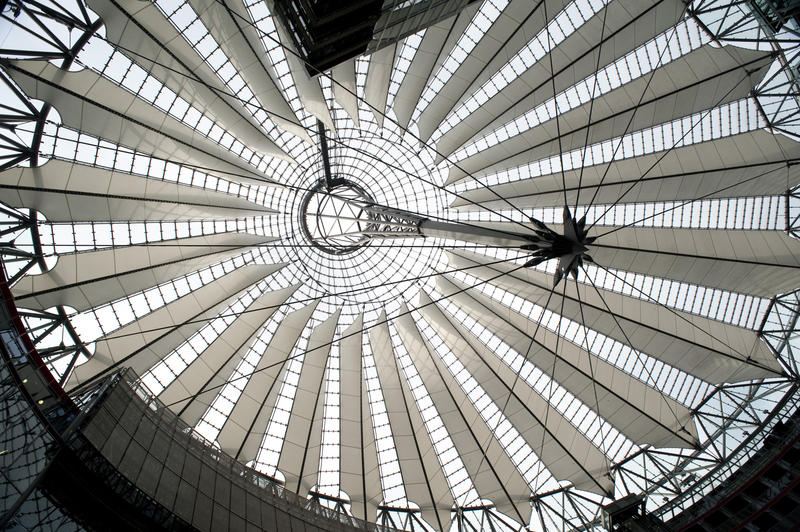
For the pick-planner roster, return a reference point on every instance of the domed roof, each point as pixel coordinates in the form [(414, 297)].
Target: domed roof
[(525, 254)]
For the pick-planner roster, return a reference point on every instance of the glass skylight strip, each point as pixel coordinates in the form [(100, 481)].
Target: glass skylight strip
[(754, 213), (665, 48), (394, 493), (509, 438), (458, 479), (265, 25), (604, 436), (68, 144), (105, 319), (221, 407), (61, 237), (641, 366), (364, 113), (403, 59), (564, 24), (720, 122), (269, 452), (133, 78), (728, 307), (751, 213), (188, 23), (174, 363), (329, 459), (483, 19)]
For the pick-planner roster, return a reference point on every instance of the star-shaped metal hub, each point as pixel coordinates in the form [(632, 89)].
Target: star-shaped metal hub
[(570, 248)]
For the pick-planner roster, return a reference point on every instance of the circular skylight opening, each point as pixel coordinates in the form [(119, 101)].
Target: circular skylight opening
[(333, 218)]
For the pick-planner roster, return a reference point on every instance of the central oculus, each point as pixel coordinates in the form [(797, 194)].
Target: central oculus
[(333, 218)]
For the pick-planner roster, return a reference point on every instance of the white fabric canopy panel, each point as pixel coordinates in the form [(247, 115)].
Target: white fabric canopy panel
[(344, 88), (142, 343), (244, 428), (90, 279), (88, 102), (301, 448), (577, 58), (709, 350), (147, 37), (464, 385), (494, 475), (754, 163), (422, 475), (566, 452), (67, 192), (702, 79), (360, 477), (638, 411), (193, 391), (429, 56)]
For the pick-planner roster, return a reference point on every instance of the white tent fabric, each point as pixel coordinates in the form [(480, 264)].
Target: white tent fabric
[(65, 192), (344, 88), (636, 410), (565, 451), (90, 279), (423, 477), (753, 163), (707, 349), (143, 31), (193, 391), (361, 479), (378, 76), (491, 469), (301, 447), (144, 342), (238, 39), (576, 60), (515, 25), (700, 80), (243, 430), (91, 103), (491, 119), (431, 53)]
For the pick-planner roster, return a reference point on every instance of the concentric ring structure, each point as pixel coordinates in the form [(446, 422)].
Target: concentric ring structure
[(438, 369)]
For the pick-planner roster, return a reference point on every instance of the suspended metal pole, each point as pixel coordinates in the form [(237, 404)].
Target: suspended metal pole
[(326, 163)]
